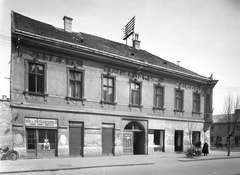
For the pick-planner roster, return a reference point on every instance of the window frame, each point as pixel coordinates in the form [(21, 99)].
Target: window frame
[(208, 103), (175, 100), (26, 91), (103, 101), (155, 107), (199, 103), (69, 97), (131, 94)]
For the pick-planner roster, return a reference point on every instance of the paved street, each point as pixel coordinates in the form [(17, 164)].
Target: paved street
[(208, 167), (167, 163)]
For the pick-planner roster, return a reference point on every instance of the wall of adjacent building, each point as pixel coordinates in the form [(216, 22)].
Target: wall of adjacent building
[(6, 124)]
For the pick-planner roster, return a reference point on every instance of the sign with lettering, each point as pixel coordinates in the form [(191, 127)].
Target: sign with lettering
[(41, 122)]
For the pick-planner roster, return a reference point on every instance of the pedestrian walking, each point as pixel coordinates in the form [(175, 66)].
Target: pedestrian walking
[(205, 150)]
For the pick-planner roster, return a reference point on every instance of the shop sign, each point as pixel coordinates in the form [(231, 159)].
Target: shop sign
[(40, 122)]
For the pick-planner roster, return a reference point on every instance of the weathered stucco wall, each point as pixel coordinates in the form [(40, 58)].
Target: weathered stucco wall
[(6, 124)]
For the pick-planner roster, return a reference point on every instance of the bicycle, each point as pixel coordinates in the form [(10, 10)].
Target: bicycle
[(8, 154)]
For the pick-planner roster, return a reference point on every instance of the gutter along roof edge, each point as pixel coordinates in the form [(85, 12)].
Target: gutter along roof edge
[(28, 34)]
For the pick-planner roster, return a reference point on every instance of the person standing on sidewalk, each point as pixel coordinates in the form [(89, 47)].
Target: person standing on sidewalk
[(205, 149)]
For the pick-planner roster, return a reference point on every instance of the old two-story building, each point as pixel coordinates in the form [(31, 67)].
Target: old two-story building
[(219, 132), (91, 96)]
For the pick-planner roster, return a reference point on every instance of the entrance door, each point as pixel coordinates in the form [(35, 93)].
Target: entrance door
[(178, 140), (128, 143), (31, 143), (134, 139), (75, 138), (107, 139)]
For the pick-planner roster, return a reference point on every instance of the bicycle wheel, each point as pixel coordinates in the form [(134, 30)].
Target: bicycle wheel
[(14, 156), (17, 154)]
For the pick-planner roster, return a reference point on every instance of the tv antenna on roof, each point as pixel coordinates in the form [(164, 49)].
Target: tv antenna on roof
[(128, 29)]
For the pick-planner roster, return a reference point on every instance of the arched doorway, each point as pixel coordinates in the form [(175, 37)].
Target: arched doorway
[(134, 139)]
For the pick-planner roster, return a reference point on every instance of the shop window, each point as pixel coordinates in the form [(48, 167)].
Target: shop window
[(49, 135), (196, 138), (108, 90), (179, 100), (196, 103), (31, 139), (158, 140), (158, 97)]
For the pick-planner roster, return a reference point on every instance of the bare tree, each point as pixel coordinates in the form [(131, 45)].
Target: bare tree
[(232, 117)]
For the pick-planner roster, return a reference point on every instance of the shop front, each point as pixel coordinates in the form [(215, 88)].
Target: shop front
[(41, 137)]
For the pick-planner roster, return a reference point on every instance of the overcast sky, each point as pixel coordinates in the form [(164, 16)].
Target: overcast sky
[(203, 35)]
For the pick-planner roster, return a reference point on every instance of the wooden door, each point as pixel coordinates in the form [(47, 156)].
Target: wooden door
[(107, 140), (75, 139), (128, 143)]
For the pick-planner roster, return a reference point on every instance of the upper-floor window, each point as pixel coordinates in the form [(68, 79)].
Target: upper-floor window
[(158, 97), (196, 102), (75, 84), (208, 103), (35, 77), (135, 94), (179, 100), (108, 89)]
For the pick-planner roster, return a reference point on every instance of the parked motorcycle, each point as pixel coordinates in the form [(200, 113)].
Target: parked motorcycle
[(9, 154)]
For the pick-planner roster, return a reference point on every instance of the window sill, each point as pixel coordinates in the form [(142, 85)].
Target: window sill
[(69, 99), (108, 103), (158, 109), (28, 93), (198, 113), (135, 106), (178, 110)]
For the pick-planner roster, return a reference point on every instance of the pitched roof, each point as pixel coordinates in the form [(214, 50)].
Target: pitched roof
[(27, 24)]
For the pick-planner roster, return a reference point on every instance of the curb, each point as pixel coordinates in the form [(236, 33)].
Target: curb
[(75, 168), (210, 158)]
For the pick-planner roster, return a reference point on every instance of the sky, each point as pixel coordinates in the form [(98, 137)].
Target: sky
[(202, 35)]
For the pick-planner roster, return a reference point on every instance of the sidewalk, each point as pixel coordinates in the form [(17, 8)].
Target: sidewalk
[(56, 164)]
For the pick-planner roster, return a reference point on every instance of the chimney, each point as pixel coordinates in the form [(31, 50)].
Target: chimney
[(67, 24), (4, 97), (136, 42)]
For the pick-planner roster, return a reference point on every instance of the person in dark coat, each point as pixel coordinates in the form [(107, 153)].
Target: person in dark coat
[(205, 149)]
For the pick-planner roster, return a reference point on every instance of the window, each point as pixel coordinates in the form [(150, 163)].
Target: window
[(196, 103), (108, 89), (75, 85), (135, 94), (208, 104), (179, 100), (196, 138), (36, 78), (158, 97)]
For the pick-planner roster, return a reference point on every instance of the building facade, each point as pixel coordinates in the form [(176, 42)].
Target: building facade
[(90, 96), (6, 122), (219, 133)]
